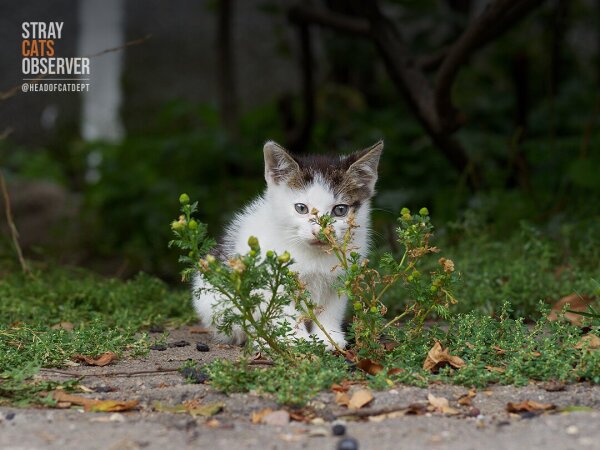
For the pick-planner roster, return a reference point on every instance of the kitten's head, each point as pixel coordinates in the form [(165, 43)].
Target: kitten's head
[(341, 186)]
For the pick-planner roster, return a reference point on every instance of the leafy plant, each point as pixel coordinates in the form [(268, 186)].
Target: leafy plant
[(365, 285)]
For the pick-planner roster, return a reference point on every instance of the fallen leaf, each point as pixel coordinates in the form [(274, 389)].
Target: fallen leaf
[(416, 409), (340, 387), (576, 408), (589, 341), (305, 415), (439, 357), (369, 366), (345, 385), (573, 302), (112, 406), (495, 369), (93, 405), (342, 398), (257, 416), (101, 361), (441, 404), (529, 406), (161, 407), (192, 407), (277, 418), (360, 398), (206, 410), (467, 399), (68, 326), (199, 330), (499, 351)]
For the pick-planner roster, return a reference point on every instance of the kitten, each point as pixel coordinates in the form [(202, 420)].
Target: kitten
[(280, 219)]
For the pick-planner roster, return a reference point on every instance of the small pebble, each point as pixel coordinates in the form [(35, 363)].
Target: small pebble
[(338, 429), (202, 347), (318, 432), (9, 415), (158, 347), (103, 389), (178, 344), (572, 429), (347, 444)]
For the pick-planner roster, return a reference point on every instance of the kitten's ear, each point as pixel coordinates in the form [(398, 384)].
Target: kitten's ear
[(363, 171), (279, 164)]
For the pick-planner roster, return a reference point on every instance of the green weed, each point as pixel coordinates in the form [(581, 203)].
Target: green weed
[(105, 315)]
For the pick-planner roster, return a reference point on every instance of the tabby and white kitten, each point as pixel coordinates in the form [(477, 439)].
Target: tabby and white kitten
[(281, 220)]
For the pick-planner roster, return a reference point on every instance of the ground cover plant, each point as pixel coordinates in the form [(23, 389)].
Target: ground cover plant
[(52, 314), (473, 349)]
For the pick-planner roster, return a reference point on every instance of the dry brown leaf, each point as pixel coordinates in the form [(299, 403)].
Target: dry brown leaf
[(499, 351), (589, 341), (441, 404), (369, 366), (574, 302), (257, 416), (101, 361), (93, 405), (277, 418), (495, 369), (416, 409), (305, 415), (342, 398), (529, 406), (360, 398), (63, 326), (199, 330), (439, 357), (335, 387), (467, 399)]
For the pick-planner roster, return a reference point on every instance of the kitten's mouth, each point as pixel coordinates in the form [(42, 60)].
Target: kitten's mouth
[(317, 243)]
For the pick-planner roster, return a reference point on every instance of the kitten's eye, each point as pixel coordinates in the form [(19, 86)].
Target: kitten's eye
[(340, 210), (301, 208)]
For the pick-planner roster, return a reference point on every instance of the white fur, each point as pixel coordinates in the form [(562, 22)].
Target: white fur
[(273, 219)]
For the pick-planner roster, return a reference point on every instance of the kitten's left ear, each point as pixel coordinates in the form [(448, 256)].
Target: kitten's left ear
[(363, 172)]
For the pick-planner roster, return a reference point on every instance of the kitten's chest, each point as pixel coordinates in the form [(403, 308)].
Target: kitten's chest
[(320, 286)]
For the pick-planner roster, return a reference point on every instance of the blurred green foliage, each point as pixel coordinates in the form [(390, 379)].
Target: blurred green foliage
[(540, 158)]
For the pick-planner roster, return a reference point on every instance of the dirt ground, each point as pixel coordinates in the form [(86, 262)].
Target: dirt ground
[(484, 424)]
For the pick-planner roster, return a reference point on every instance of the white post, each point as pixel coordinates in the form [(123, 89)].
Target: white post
[(101, 27)]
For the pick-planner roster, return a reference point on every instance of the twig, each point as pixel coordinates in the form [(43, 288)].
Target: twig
[(122, 47), (11, 225), (372, 412), (111, 374)]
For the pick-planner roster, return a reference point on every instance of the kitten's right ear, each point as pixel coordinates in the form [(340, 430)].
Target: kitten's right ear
[(279, 164)]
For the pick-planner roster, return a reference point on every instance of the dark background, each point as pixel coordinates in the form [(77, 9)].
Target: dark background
[(489, 111)]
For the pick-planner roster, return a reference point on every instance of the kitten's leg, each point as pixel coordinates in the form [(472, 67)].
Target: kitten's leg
[(331, 317), (204, 304)]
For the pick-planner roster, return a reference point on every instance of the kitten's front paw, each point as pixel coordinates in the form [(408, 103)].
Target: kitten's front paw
[(339, 340), (237, 337)]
